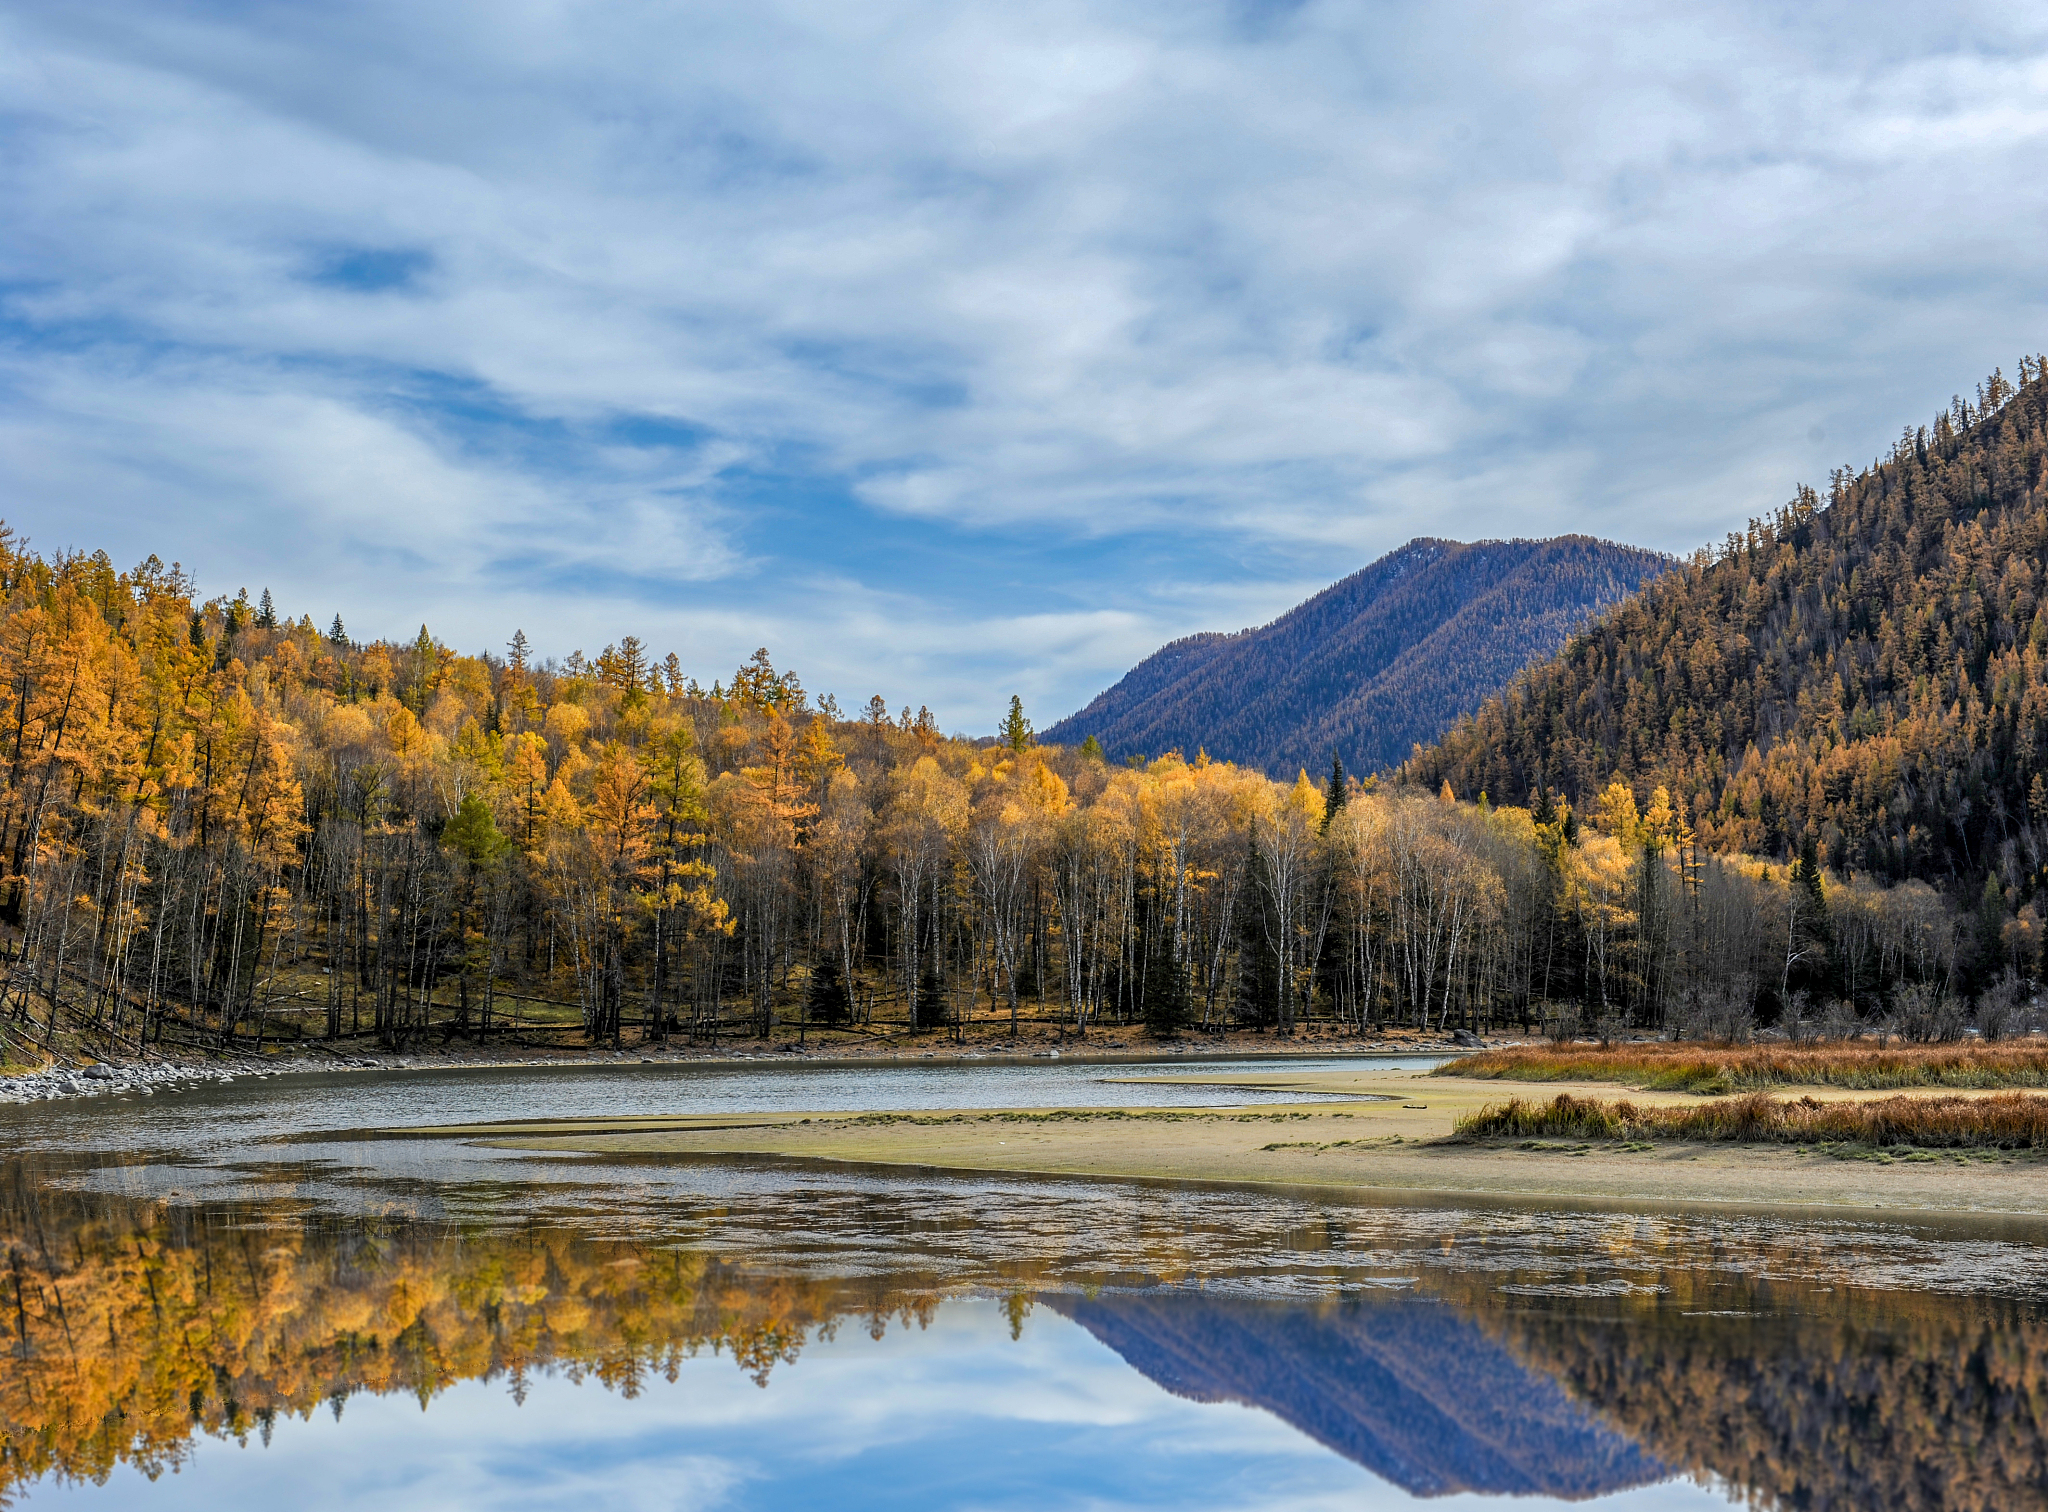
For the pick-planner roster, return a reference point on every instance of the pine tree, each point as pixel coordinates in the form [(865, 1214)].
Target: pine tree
[(266, 612), (1016, 731), (1806, 875), (827, 1001), (336, 635), (1337, 794), (1164, 1003), (1092, 749)]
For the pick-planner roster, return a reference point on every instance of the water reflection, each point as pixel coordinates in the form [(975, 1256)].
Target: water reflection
[(1418, 1393), (1808, 1366)]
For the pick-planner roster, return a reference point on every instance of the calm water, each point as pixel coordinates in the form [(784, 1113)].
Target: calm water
[(209, 1320)]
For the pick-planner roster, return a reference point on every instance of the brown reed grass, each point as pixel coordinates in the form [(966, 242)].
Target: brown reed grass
[(1712, 1070), (2002, 1121)]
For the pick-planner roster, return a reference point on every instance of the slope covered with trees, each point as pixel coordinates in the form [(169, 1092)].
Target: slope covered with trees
[(219, 828), (1370, 666), (1867, 673)]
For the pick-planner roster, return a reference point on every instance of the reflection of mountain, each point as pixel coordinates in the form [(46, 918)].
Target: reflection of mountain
[(128, 1327), (1409, 1388)]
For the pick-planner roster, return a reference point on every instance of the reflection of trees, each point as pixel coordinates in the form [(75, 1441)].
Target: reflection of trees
[(127, 1326), (131, 1326), (1876, 1401)]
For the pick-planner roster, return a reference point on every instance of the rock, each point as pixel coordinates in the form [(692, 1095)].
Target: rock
[(1467, 1040)]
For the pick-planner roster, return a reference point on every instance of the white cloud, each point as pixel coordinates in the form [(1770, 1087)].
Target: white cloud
[(1009, 275)]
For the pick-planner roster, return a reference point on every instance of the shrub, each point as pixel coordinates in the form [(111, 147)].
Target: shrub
[(2001, 1121), (1714, 1069)]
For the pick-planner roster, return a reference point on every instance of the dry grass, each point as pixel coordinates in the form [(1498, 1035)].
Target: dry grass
[(2003, 1121), (1716, 1069)]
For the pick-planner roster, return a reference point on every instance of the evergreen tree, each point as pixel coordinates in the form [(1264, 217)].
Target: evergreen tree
[(336, 635), (1016, 731), (1806, 876), (1092, 749), (473, 832), (1336, 796), (1164, 1002), (266, 613), (1990, 929), (827, 1002)]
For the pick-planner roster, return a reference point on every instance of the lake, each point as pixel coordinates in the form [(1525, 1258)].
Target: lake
[(200, 1311)]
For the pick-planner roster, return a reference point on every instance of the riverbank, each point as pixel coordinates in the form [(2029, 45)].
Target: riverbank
[(86, 1077), (1384, 1134)]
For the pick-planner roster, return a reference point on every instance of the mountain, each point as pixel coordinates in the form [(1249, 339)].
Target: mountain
[(1869, 671), (1370, 667), (1413, 1390)]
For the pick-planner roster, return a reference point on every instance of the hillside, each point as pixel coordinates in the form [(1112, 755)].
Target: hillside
[(1370, 666), (1868, 671)]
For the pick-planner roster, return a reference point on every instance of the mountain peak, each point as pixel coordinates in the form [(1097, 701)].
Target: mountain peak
[(1373, 665)]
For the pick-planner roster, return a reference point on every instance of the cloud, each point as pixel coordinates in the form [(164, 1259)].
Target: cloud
[(661, 317)]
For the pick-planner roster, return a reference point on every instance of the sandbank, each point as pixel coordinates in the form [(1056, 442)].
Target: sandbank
[(1388, 1133)]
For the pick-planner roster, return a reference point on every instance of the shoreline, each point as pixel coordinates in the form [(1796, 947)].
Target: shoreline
[(113, 1077)]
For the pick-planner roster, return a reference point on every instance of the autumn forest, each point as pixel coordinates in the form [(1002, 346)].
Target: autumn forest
[(1797, 780)]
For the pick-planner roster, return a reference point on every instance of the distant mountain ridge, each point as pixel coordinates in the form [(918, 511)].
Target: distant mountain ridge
[(1387, 659)]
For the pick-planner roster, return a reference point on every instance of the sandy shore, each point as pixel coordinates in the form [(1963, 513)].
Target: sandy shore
[(1388, 1136)]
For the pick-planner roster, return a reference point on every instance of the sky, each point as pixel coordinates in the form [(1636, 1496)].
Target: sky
[(958, 350)]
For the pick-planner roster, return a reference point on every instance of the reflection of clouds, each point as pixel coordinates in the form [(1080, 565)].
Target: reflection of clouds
[(1011, 274), (956, 1414)]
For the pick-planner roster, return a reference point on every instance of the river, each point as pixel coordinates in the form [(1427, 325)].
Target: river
[(210, 1308)]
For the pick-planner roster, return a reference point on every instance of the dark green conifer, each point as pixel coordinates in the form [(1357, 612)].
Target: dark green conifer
[(1337, 793), (828, 1001)]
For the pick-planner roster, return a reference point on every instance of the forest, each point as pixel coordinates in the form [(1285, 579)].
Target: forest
[(1865, 674), (225, 830)]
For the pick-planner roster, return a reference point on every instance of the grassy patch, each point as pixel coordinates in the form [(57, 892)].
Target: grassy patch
[(2004, 1121), (1717, 1070)]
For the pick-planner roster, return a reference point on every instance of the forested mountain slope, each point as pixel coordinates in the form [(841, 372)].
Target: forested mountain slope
[(1370, 666), (1867, 671)]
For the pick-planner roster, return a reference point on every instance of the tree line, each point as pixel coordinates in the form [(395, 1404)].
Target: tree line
[(219, 827)]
